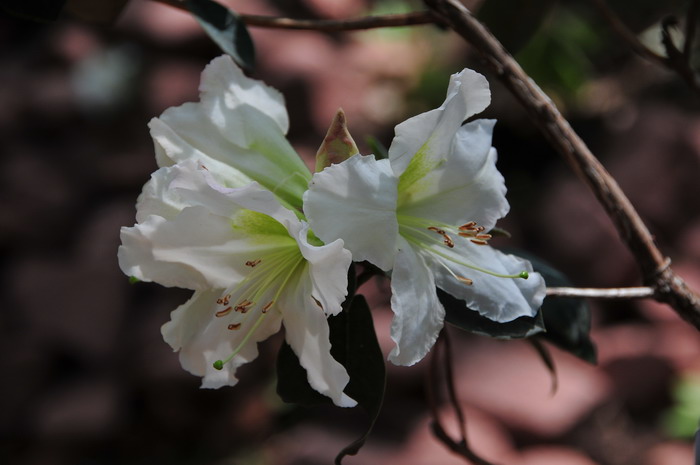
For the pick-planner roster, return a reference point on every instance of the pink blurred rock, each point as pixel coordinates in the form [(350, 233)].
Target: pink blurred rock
[(508, 380), (671, 453), (552, 455), (486, 437)]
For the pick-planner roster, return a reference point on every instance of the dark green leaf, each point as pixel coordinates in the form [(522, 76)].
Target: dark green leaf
[(548, 361), (226, 29), (37, 10), (568, 320), (355, 346), (513, 22), (458, 314)]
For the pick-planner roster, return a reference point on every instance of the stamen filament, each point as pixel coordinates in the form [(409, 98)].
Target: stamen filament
[(219, 364)]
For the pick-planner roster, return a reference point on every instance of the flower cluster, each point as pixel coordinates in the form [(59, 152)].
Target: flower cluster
[(235, 215)]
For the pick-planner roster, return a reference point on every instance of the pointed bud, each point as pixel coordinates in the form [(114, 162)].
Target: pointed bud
[(338, 144)]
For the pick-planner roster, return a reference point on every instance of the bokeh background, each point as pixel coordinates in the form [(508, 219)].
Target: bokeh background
[(86, 377)]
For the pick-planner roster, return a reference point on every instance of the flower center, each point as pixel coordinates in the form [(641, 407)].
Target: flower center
[(437, 238), (246, 305)]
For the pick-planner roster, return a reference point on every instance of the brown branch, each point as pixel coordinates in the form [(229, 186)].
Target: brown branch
[(460, 447), (415, 18), (656, 272), (597, 293)]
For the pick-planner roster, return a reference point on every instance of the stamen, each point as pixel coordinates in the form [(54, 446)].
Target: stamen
[(224, 300), (464, 280), (219, 364), (447, 240), (479, 242), (267, 306), (244, 306), (234, 326), (317, 302), (253, 263), (223, 312), (468, 226)]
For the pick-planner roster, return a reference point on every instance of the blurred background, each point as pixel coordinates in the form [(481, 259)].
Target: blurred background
[(86, 377)]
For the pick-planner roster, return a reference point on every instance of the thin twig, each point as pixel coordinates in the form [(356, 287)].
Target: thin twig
[(691, 19), (415, 18), (675, 60), (458, 447), (626, 34), (656, 272), (598, 293)]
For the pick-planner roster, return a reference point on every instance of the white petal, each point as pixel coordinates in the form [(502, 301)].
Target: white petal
[(157, 198), (308, 334), (431, 132), (225, 85), (499, 299), (237, 131), (196, 250), (356, 201), (466, 186), (418, 314), (203, 338), (328, 271)]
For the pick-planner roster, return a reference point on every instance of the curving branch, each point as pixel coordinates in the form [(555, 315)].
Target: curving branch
[(415, 18), (655, 267)]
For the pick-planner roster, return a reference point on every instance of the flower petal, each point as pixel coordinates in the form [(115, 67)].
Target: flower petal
[(308, 334), (195, 250), (418, 314), (202, 339), (237, 131), (356, 201), (328, 271), (499, 299), (431, 133), (224, 86), (466, 186)]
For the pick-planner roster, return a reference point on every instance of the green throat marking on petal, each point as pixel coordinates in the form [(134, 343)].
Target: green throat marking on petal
[(420, 165), (257, 224), (436, 238)]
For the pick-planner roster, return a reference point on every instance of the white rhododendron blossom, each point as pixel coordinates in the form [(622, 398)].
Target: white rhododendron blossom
[(425, 213), (237, 130), (253, 266)]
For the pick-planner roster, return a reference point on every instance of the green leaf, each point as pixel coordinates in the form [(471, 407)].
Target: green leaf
[(547, 360), (377, 148), (568, 320), (37, 10), (226, 29), (458, 314), (355, 346)]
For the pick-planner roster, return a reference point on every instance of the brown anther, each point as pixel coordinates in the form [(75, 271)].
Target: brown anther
[(480, 229), (484, 237), (253, 263), (223, 300), (243, 307), (204, 167), (267, 306), (233, 326), (467, 234), (468, 226), (479, 242), (223, 312), (448, 241), (464, 280), (437, 230)]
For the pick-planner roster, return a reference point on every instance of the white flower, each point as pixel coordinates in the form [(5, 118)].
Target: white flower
[(253, 266), (237, 130), (424, 213)]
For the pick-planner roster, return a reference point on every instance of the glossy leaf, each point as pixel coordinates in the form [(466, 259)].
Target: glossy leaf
[(567, 320), (226, 29), (458, 314), (355, 346)]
